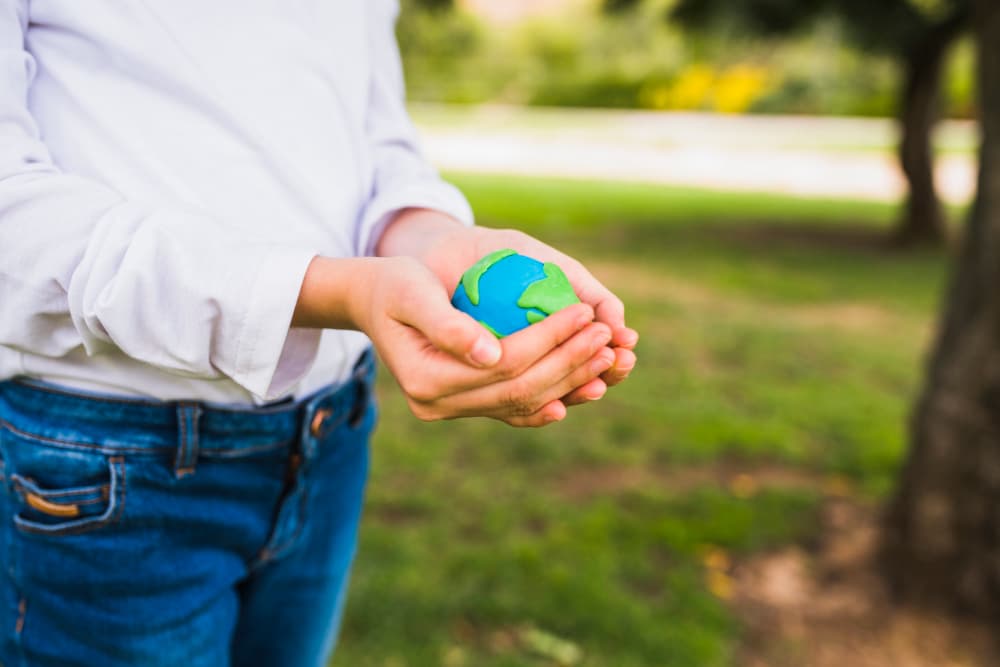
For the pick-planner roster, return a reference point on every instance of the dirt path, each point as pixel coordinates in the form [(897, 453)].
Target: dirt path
[(829, 608), (810, 157)]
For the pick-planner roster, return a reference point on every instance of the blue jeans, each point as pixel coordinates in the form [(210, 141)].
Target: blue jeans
[(177, 534)]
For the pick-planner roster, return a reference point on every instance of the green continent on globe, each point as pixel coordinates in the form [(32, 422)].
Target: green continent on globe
[(491, 329), (470, 279), (550, 294)]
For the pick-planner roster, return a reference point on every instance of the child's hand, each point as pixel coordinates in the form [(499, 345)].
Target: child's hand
[(449, 366), (449, 249)]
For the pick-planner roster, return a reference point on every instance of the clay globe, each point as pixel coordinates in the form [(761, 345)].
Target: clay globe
[(506, 292)]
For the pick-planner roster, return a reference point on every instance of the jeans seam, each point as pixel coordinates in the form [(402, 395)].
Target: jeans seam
[(71, 444), (128, 401), (102, 489), (245, 451), (72, 394), (13, 567), (268, 554), (112, 450), (22, 611)]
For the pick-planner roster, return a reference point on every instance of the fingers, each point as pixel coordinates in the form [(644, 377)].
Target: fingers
[(549, 414), (626, 338), (584, 376), (519, 352), (527, 393), (625, 361), (608, 308), (430, 312), (595, 389), (592, 391), (526, 347)]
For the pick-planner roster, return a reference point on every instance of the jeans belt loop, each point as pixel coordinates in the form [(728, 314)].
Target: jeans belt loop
[(186, 459)]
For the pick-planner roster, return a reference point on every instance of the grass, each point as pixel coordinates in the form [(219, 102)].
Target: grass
[(781, 350)]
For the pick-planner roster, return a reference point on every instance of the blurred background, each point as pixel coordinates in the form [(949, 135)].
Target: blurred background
[(773, 196)]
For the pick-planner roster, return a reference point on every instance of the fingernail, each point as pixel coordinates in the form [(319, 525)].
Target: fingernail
[(599, 342), (599, 396), (602, 364), (584, 319), (631, 338), (486, 351)]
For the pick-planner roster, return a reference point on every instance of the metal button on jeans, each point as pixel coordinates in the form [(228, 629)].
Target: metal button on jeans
[(318, 424)]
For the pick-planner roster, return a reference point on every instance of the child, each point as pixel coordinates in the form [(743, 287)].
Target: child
[(209, 212)]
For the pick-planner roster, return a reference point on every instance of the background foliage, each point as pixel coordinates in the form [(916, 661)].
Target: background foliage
[(636, 59)]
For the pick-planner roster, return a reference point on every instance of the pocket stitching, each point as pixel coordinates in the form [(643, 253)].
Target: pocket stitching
[(29, 485), (87, 524)]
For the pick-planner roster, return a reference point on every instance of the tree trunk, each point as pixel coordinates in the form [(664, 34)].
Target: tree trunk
[(923, 221), (942, 538)]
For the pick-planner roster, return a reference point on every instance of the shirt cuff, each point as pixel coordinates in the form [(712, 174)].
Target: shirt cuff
[(272, 357), (435, 194)]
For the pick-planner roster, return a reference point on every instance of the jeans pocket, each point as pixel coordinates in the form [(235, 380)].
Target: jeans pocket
[(69, 510)]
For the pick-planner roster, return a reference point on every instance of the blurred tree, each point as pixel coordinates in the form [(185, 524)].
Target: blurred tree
[(916, 32), (942, 541), (432, 4)]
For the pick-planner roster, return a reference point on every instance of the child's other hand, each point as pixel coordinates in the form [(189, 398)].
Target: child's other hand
[(449, 366), (449, 249)]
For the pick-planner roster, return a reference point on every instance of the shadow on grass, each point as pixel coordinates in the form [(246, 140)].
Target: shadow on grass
[(846, 238), (760, 236), (800, 262)]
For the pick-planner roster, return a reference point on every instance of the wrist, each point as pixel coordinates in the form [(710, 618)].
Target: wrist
[(333, 292), (414, 232), (364, 285)]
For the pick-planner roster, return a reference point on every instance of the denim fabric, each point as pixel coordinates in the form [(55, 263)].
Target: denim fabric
[(177, 534)]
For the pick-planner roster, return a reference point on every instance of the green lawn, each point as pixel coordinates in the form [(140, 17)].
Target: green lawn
[(781, 349)]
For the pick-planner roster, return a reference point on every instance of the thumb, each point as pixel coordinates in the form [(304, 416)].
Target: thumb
[(450, 330)]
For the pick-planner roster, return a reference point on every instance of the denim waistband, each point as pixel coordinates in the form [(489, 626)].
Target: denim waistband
[(70, 417)]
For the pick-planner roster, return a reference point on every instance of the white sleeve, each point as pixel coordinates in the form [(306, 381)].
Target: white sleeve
[(403, 176), (82, 265)]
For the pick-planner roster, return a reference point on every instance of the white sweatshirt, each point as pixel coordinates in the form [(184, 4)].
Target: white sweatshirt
[(168, 169)]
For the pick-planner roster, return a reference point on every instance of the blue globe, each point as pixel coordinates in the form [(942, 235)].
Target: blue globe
[(507, 292)]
